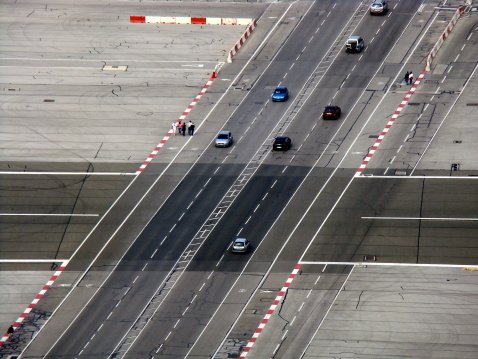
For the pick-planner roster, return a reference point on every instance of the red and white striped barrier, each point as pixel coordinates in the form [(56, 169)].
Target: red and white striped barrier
[(241, 41), (443, 36), (390, 123), (179, 121), (188, 20), (17, 323), (271, 310)]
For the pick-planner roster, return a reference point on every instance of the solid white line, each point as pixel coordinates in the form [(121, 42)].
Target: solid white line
[(383, 264), (101, 60), (444, 118), (32, 260), (420, 177), (68, 173), (423, 218), (326, 313), (52, 214)]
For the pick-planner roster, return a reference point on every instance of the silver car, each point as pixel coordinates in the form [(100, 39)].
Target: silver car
[(240, 245), (224, 139), (379, 7)]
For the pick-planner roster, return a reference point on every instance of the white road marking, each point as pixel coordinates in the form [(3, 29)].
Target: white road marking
[(422, 218), (210, 274), (219, 261), (449, 69), (109, 315), (167, 336), (311, 38), (181, 216), (192, 300), (217, 169), (190, 204), (52, 214), (323, 269), (185, 310), (308, 294), (263, 198), (285, 75), (456, 58), (162, 241), (172, 228), (197, 195), (393, 159), (301, 306), (248, 219), (200, 289), (293, 320), (273, 184), (255, 209), (284, 169), (443, 80), (176, 324), (135, 279), (284, 335), (207, 182), (82, 174), (317, 280), (399, 148), (463, 47), (291, 66), (152, 255), (386, 170), (142, 270)]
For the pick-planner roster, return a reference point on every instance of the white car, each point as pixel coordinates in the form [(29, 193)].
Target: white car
[(378, 7), (240, 245)]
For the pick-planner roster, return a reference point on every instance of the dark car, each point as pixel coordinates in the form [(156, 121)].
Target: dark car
[(282, 143), (379, 7), (331, 113), (240, 245), (280, 94)]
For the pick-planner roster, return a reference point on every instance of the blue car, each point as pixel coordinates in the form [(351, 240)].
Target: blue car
[(280, 94)]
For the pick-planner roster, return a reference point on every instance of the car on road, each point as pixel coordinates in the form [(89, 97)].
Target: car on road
[(281, 143), (240, 245), (280, 94), (223, 139), (354, 44), (378, 7), (331, 113)]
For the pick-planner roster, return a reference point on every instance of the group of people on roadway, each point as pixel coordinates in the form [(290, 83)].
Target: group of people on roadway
[(181, 128)]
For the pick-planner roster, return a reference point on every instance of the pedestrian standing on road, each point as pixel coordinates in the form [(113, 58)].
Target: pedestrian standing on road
[(10, 330), (407, 76), (410, 78), (189, 127), (183, 128), (174, 127), (192, 128)]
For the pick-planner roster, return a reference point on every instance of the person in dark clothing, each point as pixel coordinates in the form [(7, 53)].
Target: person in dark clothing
[(406, 77), (191, 128), (183, 128), (10, 330)]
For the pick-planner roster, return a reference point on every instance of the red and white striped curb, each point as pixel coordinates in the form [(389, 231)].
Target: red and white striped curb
[(34, 302), (444, 35), (271, 310), (181, 118), (187, 20), (242, 40), (389, 125)]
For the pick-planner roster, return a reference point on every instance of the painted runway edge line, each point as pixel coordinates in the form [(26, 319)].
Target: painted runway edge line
[(389, 124), (179, 121), (17, 323), (280, 296)]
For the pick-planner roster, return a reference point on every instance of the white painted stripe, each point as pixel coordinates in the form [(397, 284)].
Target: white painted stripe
[(51, 215), (68, 173), (423, 218)]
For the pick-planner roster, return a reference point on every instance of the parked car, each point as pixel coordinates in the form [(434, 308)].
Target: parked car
[(280, 94), (378, 7), (354, 44), (282, 143), (240, 245), (331, 113), (224, 139)]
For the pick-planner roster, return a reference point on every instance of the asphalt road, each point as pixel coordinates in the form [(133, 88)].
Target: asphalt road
[(187, 312)]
